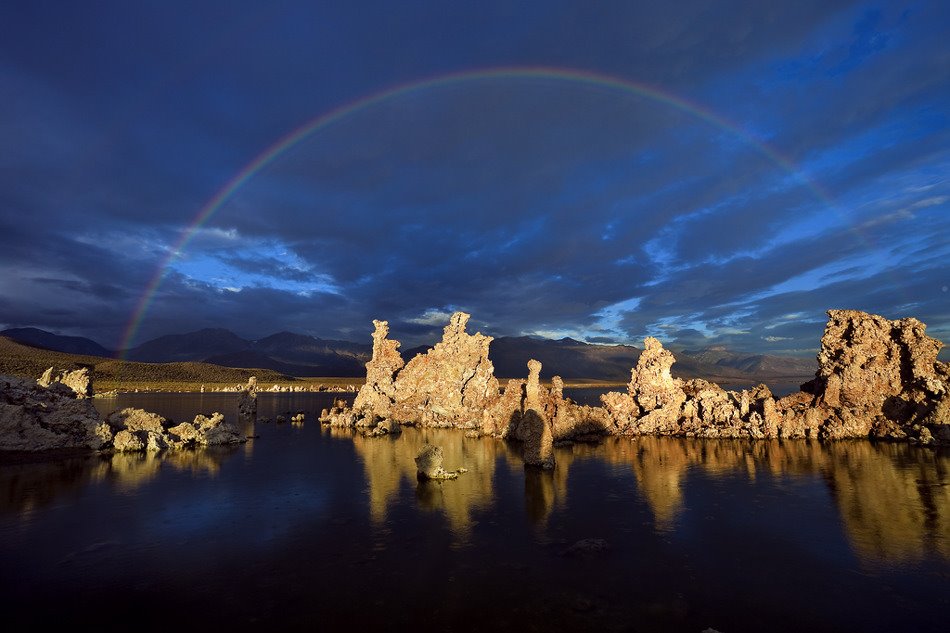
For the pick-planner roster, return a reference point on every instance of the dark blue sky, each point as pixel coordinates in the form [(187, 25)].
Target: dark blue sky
[(541, 205)]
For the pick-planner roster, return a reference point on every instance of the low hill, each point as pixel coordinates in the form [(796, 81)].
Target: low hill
[(31, 362)]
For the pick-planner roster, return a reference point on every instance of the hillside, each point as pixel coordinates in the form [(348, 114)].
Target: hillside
[(30, 362)]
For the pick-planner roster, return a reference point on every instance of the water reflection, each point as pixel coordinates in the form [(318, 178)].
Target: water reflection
[(30, 486), (893, 500), (389, 463)]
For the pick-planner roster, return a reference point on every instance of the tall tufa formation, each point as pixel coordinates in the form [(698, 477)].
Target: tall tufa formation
[(876, 378), (451, 384), (377, 395), (247, 401)]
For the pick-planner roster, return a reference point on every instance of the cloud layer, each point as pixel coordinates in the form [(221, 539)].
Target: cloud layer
[(541, 205)]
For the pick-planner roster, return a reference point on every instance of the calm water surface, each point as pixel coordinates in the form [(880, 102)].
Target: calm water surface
[(305, 528)]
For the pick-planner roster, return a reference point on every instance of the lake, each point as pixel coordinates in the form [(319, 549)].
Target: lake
[(308, 528)]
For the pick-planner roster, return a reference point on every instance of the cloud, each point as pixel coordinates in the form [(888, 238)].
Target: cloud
[(538, 205)]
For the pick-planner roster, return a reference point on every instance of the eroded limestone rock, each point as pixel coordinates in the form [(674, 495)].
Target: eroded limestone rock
[(37, 418), (247, 400), (429, 464), (377, 394), (876, 377), (655, 398), (137, 429), (78, 380), (448, 386)]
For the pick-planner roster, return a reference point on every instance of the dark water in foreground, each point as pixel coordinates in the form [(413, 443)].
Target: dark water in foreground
[(310, 529)]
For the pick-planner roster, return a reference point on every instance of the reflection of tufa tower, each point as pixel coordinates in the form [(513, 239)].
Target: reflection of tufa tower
[(389, 464)]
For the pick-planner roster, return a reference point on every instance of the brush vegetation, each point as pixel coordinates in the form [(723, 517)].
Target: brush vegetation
[(120, 375)]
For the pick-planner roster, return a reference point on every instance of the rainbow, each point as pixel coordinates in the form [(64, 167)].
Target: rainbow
[(326, 119)]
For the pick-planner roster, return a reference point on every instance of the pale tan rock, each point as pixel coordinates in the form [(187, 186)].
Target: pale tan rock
[(78, 380), (448, 386), (183, 434), (128, 441), (34, 418), (429, 464), (501, 418), (214, 431), (132, 419), (379, 391), (533, 387)]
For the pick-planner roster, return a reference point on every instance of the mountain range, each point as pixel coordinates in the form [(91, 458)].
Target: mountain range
[(301, 355)]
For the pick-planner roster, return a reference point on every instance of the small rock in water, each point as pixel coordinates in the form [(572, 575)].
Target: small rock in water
[(429, 464), (587, 547)]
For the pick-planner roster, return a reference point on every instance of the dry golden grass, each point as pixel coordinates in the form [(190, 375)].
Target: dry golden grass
[(111, 374)]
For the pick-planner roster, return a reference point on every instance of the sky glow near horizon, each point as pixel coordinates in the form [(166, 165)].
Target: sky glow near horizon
[(543, 206)]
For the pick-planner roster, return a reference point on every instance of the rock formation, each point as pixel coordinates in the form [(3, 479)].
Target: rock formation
[(247, 401), (378, 393), (137, 430), (876, 378), (79, 380), (451, 384), (36, 418), (429, 464)]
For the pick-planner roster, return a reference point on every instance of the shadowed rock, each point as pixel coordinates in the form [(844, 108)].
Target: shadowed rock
[(247, 401)]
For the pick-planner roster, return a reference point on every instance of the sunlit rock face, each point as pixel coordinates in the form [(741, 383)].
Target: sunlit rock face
[(79, 380), (378, 393), (37, 418), (654, 398), (140, 430), (876, 378), (451, 384)]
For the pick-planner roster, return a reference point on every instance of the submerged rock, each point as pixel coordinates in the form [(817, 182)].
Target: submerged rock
[(429, 464)]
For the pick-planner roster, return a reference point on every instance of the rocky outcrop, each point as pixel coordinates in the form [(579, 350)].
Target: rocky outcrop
[(654, 398), (429, 464), (247, 401), (376, 396), (37, 418), (79, 380), (138, 430), (450, 385), (875, 378)]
